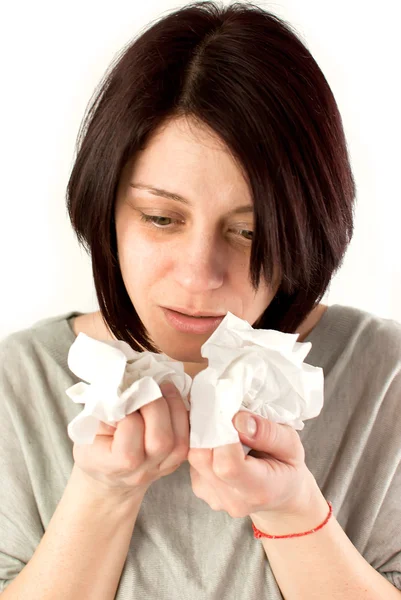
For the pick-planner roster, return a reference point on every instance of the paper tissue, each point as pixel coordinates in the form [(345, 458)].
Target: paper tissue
[(120, 381), (257, 370)]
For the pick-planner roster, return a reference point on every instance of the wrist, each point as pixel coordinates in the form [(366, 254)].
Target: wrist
[(82, 485), (308, 510)]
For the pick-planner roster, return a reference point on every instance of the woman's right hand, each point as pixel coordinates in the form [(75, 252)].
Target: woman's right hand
[(144, 446)]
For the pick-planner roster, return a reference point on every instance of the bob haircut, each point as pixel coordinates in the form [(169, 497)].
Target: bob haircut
[(244, 73)]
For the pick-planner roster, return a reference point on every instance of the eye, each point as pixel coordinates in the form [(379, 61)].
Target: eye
[(248, 235), (156, 220), (160, 223)]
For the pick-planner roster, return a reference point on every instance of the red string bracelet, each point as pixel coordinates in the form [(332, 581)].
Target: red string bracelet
[(260, 534)]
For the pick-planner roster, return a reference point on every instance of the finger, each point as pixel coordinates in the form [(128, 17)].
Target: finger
[(252, 478), (204, 490), (229, 462), (179, 417), (128, 440), (107, 452), (201, 459), (105, 429), (280, 441), (242, 472), (159, 436), (222, 462)]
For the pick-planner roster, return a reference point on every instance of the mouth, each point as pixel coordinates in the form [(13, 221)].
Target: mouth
[(198, 323), (194, 313)]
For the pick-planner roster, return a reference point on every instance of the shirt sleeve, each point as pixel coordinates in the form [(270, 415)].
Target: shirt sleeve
[(383, 550), (20, 524)]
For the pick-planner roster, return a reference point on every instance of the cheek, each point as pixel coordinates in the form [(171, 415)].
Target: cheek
[(140, 259)]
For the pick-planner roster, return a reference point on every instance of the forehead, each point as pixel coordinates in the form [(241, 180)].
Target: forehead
[(187, 158)]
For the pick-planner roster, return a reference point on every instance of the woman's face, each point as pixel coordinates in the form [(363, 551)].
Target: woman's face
[(193, 255)]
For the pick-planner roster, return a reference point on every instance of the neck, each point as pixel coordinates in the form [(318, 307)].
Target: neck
[(193, 369)]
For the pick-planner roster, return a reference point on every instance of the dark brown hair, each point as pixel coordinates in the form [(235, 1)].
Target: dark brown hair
[(243, 72)]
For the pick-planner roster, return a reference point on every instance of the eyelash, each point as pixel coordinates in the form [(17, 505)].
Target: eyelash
[(151, 219)]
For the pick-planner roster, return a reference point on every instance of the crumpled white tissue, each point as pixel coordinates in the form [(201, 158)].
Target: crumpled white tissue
[(255, 370), (120, 381)]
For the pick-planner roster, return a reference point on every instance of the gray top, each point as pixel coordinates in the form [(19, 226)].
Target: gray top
[(180, 547)]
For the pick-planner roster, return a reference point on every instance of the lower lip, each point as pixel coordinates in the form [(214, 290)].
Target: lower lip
[(188, 324)]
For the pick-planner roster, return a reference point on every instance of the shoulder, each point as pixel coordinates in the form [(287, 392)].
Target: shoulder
[(40, 332), (358, 342), (45, 341), (368, 332)]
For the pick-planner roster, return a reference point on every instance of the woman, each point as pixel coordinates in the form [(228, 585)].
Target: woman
[(224, 113)]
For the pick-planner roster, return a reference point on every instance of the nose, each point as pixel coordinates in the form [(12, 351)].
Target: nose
[(200, 263)]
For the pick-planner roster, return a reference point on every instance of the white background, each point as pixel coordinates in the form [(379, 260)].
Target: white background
[(54, 54)]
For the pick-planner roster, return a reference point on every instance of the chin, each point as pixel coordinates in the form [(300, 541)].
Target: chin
[(181, 350), (186, 357)]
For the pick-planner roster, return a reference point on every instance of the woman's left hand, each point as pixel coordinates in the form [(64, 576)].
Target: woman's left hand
[(271, 480)]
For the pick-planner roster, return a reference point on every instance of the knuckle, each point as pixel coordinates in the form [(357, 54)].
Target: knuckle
[(198, 458), (162, 445), (105, 429), (181, 451), (128, 462), (134, 421), (226, 469), (131, 425)]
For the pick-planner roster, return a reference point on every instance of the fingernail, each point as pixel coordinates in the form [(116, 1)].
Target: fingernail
[(245, 424), (168, 389)]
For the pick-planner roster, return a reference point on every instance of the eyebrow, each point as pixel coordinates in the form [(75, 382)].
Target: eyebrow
[(173, 196)]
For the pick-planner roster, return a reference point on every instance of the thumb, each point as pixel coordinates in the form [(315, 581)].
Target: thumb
[(277, 440)]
